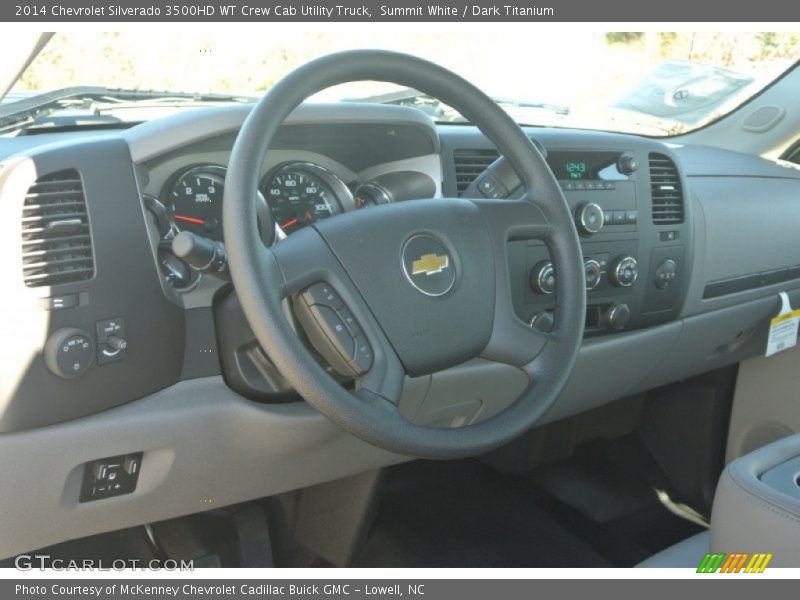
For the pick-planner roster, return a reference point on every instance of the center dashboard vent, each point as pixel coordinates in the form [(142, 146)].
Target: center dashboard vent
[(470, 163), (56, 239), (666, 190)]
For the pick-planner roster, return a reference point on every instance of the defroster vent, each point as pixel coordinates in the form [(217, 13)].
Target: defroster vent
[(56, 239), (666, 190)]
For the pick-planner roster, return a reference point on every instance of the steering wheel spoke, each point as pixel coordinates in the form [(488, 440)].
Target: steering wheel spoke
[(334, 316)]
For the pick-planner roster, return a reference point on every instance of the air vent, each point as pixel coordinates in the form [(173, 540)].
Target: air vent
[(56, 240), (666, 189), (470, 164)]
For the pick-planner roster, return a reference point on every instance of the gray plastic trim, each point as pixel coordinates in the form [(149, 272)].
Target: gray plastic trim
[(204, 447), (742, 225), (159, 136)]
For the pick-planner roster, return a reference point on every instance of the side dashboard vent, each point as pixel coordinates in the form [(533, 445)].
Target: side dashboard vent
[(666, 190), (56, 240), (469, 164)]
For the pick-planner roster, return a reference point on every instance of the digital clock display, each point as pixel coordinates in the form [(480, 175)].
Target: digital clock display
[(590, 165), (575, 169)]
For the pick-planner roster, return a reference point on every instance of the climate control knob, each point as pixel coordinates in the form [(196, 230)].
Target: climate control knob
[(624, 271), (589, 218), (543, 321), (592, 271), (618, 316), (543, 278)]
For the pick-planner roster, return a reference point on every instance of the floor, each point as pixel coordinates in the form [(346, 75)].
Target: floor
[(595, 509)]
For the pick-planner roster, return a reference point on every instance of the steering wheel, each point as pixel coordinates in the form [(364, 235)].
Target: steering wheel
[(420, 285)]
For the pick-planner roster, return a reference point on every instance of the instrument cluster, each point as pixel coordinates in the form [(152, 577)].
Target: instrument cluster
[(292, 195)]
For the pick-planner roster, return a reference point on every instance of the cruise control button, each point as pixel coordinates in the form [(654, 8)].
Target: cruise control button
[(349, 321), (322, 294), (363, 359), (335, 330)]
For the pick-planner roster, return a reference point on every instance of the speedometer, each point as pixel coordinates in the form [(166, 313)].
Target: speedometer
[(299, 194)]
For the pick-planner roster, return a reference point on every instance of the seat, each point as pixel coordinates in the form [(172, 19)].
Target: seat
[(685, 554)]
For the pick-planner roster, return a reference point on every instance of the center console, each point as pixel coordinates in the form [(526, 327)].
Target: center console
[(757, 504), (629, 211)]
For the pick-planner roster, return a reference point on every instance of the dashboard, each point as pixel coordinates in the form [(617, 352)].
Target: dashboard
[(120, 348)]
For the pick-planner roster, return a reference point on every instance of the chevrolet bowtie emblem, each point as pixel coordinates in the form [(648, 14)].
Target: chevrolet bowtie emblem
[(429, 264)]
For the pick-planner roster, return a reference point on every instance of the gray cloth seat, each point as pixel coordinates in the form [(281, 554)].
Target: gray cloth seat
[(685, 554)]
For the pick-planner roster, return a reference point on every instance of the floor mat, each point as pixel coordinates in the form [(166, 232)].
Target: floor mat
[(595, 509), (465, 514)]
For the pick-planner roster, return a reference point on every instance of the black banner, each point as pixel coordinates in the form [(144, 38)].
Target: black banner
[(271, 11), (359, 589)]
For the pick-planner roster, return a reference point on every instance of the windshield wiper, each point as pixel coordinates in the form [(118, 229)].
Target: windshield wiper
[(91, 101), (434, 107)]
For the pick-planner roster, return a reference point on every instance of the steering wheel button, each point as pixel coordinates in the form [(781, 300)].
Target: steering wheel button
[(323, 294), (349, 321), (363, 359), (335, 330)]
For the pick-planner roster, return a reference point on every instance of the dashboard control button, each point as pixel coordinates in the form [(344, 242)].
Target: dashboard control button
[(589, 218), (59, 302), (111, 340), (108, 477), (627, 163), (624, 271), (69, 352), (542, 321), (490, 187), (324, 295), (618, 316), (620, 217), (631, 216), (666, 273), (543, 278), (592, 271)]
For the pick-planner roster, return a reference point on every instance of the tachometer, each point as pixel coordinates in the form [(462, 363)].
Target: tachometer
[(195, 201), (299, 194)]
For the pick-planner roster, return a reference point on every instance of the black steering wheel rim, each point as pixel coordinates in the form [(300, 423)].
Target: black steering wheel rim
[(263, 283)]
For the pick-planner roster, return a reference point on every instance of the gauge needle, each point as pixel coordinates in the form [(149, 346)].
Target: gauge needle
[(186, 219), (289, 223)]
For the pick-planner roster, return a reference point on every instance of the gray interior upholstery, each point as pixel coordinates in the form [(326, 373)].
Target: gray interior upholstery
[(755, 511)]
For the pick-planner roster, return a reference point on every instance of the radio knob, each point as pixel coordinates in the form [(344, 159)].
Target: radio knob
[(618, 316), (624, 271), (543, 278), (589, 218), (627, 163)]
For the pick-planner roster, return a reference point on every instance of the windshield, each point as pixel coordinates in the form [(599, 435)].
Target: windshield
[(653, 83)]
